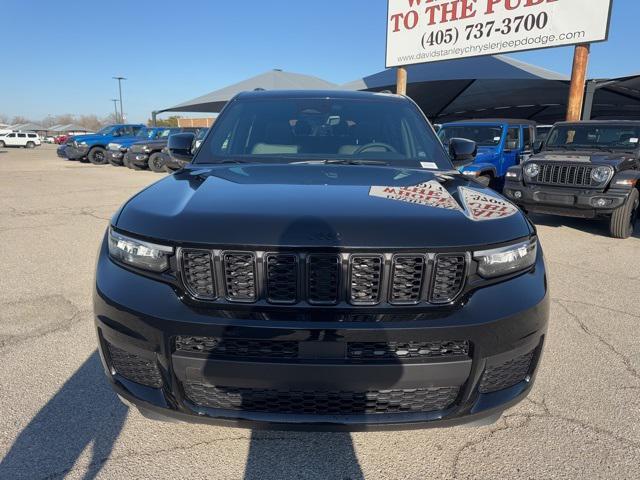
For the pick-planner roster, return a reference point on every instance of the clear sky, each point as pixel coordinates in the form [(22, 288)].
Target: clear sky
[(59, 57)]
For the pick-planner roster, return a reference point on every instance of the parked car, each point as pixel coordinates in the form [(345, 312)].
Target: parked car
[(502, 143), (583, 169), (20, 139), (94, 146), (321, 264), (117, 150), (148, 153), (61, 139), (171, 164)]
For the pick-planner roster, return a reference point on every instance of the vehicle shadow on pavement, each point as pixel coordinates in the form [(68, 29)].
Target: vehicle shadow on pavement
[(83, 413), (586, 225), (279, 455)]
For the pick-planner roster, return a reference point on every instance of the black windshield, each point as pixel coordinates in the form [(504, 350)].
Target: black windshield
[(327, 129), (593, 136)]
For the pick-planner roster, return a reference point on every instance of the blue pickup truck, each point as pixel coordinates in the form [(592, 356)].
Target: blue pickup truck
[(94, 146), (502, 143)]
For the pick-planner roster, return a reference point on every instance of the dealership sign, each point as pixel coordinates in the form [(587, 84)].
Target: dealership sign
[(420, 31)]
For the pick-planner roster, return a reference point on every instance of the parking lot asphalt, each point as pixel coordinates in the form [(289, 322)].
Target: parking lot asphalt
[(59, 418)]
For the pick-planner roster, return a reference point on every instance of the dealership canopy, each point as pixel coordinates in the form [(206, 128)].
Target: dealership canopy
[(271, 80), (499, 86)]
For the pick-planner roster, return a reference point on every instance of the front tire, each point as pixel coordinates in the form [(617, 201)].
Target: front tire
[(623, 220), (156, 162), (98, 156), (2, 144), (30, 145)]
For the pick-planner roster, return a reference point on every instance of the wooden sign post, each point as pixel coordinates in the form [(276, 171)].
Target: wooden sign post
[(401, 81), (578, 78)]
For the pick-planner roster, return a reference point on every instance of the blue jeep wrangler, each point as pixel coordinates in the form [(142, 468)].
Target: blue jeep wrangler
[(94, 146), (502, 143)]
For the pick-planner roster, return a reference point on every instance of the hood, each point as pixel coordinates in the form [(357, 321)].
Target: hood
[(321, 205), (86, 138), (152, 143), (587, 156)]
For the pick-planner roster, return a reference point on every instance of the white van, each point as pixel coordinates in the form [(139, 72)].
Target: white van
[(20, 139)]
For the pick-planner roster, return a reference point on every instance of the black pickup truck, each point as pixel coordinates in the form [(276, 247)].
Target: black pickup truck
[(321, 264), (584, 169)]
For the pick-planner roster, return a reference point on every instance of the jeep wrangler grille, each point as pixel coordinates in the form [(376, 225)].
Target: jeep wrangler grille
[(565, 175)]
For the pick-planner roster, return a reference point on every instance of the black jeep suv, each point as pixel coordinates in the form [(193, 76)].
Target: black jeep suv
[(584, 169), (148, 153), (321, 264)]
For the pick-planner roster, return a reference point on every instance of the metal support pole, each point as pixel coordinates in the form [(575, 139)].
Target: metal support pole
[(401, 81), (115, 109), (589, 96), (120, 91), (154, 115), (578, 77)]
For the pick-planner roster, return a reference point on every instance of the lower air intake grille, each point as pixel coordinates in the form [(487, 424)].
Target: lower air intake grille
[(198, 273), (134, 367), (282, 278), (505, 375), (323, 279), (240, 276), (236, 348), (407, 277), (366, 274), (448, 278), (322, 402), (410, 350)]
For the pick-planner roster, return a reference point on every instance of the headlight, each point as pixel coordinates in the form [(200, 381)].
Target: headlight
[(505, 260), (144, 255), (600, 174), (532, 170)]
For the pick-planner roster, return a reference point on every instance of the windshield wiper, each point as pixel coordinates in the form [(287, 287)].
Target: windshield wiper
[(342, 161)]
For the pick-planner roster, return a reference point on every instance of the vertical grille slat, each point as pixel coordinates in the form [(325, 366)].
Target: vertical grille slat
[(365, 279), (448, 278), (197, 271), (240, 276), (282, 278), (407, 278), (323, 279)]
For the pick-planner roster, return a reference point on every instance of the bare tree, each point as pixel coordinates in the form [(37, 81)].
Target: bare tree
[(19, 119)]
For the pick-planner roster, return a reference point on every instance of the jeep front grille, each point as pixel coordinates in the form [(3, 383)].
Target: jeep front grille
[(565, 175), (321, 278)]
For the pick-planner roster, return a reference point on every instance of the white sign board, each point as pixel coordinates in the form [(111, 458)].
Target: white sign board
[(421, 31)]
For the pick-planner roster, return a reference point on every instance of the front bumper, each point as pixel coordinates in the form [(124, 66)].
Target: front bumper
[(115, 157), (139, 159), (76, 153), (570, 202), (502, 324)]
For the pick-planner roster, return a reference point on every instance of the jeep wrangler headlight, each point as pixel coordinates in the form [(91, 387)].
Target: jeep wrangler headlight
[(137, 253), (532, 170), (600, 174), (505, 260)]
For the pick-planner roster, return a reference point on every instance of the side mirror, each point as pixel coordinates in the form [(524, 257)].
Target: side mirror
[(537, 146), (462, 152), (180, 146)]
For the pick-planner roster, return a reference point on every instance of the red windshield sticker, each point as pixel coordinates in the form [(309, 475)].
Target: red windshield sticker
[(482, 206), (429, 194)]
